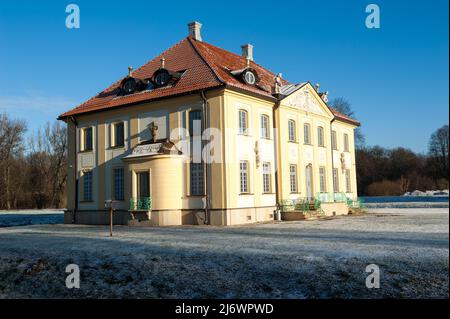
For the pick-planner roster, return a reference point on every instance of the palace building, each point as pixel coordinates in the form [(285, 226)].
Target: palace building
[(202, 135)]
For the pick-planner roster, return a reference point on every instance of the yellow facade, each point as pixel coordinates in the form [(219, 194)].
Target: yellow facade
[(272, 154)]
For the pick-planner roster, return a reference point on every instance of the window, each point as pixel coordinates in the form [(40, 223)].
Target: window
[(335, 180), (243, 122), (320, 140), (264, 126), (118, 133), (243, 168), (143, 185), (196, 166), (119, 184), (306, 134), (196, 174), (348, 188), (291, 131), (293, 178), (333, 140), (346, 146), (322, 180), (267, 185), (87, 139), (87, 186)]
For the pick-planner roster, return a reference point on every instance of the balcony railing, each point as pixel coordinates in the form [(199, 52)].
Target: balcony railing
[(308, 204), (142, 203)]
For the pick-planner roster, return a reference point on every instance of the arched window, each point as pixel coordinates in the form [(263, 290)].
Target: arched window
[(291, 131), (243, 122)]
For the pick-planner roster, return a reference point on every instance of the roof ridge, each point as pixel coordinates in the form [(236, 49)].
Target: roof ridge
[(241, 57), (204, 59)]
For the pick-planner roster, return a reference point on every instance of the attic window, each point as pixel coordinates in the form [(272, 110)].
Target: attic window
[(164, 77), (130, 85), (249, 77)]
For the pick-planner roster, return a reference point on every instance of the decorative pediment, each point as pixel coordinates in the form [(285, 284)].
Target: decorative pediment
[(305, 101)]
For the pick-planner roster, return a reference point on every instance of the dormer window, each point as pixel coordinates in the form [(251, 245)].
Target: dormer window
[(249, 77), (164, 77), (130, 85)]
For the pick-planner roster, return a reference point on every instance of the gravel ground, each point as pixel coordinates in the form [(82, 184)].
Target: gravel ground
[(306, 259)]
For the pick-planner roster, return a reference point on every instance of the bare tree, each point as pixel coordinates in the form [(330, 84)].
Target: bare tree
[(344, 106), (47, 161), (438, 152), (11, 146)]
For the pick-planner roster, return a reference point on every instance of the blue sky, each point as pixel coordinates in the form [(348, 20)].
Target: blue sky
[(396, 77)]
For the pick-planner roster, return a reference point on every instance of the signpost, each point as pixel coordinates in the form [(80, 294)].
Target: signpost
[(110, 204)]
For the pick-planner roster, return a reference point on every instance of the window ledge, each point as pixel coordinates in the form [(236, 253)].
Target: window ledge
[(243, 194), (85, 151)]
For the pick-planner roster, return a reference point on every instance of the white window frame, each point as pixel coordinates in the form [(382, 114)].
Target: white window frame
[(243, 121), (293, 179), (320, 136), (307, 133), (244, 185), (322, 179), (265, 126), (346, 143), (267, 177), (348, 182), (336, 180), (292, 131), (334, 140)]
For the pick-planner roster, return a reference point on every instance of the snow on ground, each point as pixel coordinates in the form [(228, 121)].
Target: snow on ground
[(31, 217), (305, 259)]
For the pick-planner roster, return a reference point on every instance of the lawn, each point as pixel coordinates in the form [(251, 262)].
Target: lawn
[(306, 259)]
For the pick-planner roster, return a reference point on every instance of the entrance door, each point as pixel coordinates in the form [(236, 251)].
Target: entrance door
[(309, 186), (143, 185)]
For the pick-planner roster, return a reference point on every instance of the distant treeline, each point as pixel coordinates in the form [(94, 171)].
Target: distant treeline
[(390, 172), (32, 170)]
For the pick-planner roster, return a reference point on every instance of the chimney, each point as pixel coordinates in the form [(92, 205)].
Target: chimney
[(317, 87), (247, 51), (130, 71), (194, 30)]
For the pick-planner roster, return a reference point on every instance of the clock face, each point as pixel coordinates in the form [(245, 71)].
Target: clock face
[(162, 78), (249, 77)]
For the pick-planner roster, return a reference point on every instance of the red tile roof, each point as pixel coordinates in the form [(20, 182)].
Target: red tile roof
[(343, 117), (205, 66)]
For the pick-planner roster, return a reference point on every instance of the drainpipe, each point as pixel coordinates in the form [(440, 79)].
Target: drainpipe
[(332, 154), (204, 124), (73, 120), (276, 152)]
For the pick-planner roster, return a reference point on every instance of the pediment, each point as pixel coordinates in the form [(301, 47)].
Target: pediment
[(308, 100)]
